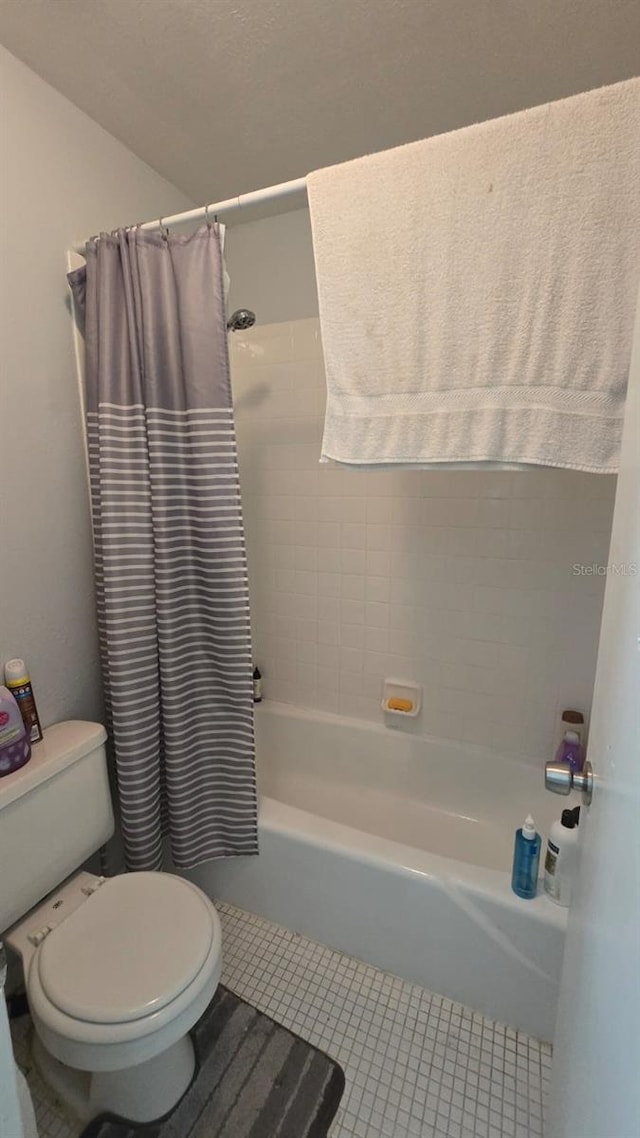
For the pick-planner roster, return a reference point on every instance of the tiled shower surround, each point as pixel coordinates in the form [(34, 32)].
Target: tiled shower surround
[(484, 587)]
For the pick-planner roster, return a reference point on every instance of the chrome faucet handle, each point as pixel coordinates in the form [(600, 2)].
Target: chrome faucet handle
[(560, 779)]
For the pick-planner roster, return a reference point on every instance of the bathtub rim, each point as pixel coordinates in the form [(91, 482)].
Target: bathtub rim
[(443, 872)]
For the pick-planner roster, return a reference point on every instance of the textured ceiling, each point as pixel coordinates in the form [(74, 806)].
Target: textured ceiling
[(226, 96)]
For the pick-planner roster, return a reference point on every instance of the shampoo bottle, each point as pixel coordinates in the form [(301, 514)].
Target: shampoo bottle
[(257, 685), (571, 751), (526, 860), (561, 861), (572, 721)]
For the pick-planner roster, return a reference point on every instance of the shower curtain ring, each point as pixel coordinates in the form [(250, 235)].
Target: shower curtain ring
[(164, 229), (208, 217)]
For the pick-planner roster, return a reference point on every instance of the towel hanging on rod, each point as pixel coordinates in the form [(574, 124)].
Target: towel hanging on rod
[(491, 320)]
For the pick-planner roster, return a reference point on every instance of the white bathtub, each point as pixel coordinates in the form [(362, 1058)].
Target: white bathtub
[(397, 849)]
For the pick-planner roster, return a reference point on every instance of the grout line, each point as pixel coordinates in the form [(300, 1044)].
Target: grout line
[(417, 1064)]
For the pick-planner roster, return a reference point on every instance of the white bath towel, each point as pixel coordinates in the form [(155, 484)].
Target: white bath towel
[(477, 289)]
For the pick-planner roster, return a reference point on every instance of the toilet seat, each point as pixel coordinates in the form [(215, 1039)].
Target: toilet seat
[(128, 951), (110, 1044)]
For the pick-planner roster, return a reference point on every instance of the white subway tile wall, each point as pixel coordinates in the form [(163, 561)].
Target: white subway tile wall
[(484, 587)]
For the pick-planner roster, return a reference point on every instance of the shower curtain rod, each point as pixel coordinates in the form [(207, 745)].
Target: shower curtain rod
[(221, 209)]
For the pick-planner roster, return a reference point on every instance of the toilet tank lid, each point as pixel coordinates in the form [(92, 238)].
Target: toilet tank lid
[(62, 745)]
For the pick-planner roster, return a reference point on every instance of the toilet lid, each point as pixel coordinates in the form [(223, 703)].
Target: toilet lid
[(128, 950)]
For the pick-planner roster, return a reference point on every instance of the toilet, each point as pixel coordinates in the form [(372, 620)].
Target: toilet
[(117, 970)]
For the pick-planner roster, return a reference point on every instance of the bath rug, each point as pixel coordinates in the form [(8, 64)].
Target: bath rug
[(255, 1079)]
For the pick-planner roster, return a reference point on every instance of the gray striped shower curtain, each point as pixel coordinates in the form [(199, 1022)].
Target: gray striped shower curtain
[(170, 565)]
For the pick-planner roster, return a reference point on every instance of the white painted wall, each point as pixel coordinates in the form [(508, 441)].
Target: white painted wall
[(271, 267), (62, 179), (461, 581)]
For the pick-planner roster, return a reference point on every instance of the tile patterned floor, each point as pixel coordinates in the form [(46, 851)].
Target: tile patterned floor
[(417, 1065), (52, 1120)]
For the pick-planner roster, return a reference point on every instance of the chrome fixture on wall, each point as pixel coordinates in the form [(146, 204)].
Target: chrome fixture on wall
[(560, 779), (241, 319)]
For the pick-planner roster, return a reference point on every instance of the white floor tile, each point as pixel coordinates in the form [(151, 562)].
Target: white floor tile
[(417, 1065)]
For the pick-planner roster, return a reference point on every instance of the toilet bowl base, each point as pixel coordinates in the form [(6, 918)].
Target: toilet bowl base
[(142, 1093)]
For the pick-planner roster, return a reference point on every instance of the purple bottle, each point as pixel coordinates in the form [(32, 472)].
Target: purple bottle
[(571, 751), (15, 746)]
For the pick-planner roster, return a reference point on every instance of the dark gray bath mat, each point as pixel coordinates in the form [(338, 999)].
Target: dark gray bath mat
[(255, 1079)]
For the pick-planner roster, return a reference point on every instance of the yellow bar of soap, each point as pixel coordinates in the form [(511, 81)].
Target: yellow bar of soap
[(397, 704)]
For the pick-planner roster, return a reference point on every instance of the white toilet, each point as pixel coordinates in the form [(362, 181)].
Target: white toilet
[(117, 970)]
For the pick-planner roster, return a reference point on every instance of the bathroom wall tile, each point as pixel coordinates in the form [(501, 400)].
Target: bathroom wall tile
[(353, 510), (306, 652), (392, 615), (329, 609), (379, 511), (266, 344), (353, 561), (352, 612), (360, 706), (328, 534), (303, 606), (330, 509), (376, 640), (351, 658), (307, 630), (329, 657), (305, 558), (329, 560), (376, 664), (352, 534), (305, 581), (328, 632), (379, 537), (308, 533), (377, 589), (352, 636), (350, 682), (461, 580), (468, 678), (378, 562), (305, 339), (377, 614)]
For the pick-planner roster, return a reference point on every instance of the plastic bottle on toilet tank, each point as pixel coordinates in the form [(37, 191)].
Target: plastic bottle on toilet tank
[(15, 748), (18, 681)]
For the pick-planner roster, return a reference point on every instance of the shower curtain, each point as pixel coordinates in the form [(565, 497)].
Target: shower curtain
[(170, 565)]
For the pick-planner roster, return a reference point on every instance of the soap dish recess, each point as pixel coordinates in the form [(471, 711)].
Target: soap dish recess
[(401, 689)]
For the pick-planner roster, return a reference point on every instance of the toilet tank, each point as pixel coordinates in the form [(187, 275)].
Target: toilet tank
[(54, 813)]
